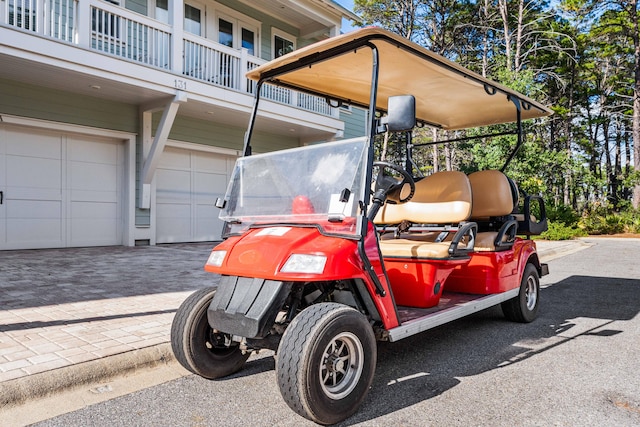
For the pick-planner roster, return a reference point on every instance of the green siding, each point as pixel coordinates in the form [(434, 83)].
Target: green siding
[(188, 129), (354, 122), (37, 102)]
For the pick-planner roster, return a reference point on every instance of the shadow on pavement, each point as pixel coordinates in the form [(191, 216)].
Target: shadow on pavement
[(68, 322), (428, 364)]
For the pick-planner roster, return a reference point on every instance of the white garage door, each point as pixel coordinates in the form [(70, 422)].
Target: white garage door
[(187, 185), (59, 190)]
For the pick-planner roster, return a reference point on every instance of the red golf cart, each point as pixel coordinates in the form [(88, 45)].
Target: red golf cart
[(327, 251)]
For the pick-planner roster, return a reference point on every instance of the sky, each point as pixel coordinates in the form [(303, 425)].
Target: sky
[(346, 24)]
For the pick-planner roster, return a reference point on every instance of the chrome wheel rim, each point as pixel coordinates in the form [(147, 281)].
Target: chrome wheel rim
[(341, 365), (531, 293)]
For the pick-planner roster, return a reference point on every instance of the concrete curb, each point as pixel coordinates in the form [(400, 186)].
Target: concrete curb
[(560, 249), (20, 390)]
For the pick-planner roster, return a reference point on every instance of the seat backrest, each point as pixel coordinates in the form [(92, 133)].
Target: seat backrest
[(492, 194), (441, 198)]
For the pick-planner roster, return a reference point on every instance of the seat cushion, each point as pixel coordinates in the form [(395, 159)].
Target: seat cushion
[(492, 196), (441, 198), (407, 248), (485, 241)]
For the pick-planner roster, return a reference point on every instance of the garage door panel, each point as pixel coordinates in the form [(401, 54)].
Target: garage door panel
[(93, 176), (89, 210), (88, 151), (208, 226), (33, 173), (208, 187), (93, 232), (35, 209), (175, 220), (37, 144), (111, 197), (31, 233), (173, 186), (31, 193), (196, 179), (175, 158), (60, 190), (93, 223), (209, 162), (33, 221)]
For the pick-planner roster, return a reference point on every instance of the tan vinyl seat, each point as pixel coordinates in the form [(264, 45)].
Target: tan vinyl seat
[(442, 198), (492, 197)]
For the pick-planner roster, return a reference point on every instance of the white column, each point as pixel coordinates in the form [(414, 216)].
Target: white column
[(152, 159), (177, 43), (244, 67), (83, 24)]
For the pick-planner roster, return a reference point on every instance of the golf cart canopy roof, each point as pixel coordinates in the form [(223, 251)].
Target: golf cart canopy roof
[(448, 95)]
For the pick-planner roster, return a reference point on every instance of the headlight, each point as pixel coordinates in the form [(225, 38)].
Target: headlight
[(301, 263), (216, 258)]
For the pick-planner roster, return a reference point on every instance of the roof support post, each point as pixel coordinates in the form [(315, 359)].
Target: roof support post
[(517, 103), (152, 158), (366, 216), (246, 151)]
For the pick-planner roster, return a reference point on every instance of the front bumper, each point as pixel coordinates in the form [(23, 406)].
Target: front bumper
[(246, 306)]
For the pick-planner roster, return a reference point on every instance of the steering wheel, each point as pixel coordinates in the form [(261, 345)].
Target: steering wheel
[(394, 187)]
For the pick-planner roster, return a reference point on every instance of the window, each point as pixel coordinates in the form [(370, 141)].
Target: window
[(192, 20), (237, 33), (282, 46), (162, 11), (225, 32), (283, 43), (249, 40)]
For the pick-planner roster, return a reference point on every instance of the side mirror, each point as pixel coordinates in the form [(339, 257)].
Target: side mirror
[(401, 113)]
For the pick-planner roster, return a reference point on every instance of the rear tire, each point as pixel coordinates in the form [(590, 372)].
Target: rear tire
[(326, 361), (524, 307), (197, 346)]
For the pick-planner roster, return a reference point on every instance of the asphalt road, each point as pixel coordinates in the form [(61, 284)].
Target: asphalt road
[(576, 365)]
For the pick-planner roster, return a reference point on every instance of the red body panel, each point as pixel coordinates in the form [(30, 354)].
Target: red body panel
[(492, 272), (261, 254), (419, 283)]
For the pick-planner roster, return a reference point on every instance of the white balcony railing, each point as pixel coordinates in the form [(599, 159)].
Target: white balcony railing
[(56, 19), (117, 31), (211, 62), (131, 36)]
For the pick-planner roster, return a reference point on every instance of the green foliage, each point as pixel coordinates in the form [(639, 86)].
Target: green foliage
[(602, 224), (561, 231), (577, 56), (562, 214), (631, 220), (602, 221)]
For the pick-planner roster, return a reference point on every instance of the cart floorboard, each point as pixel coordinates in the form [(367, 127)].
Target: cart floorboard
[(452, 306)]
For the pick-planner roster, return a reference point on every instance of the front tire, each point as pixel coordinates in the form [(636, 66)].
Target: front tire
[(524, 307), (197, 346), (326, 361)]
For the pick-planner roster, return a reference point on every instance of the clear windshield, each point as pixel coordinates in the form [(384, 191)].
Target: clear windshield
[(302, 185)]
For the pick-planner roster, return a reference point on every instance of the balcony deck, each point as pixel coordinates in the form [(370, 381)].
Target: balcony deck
[(117, 32)]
